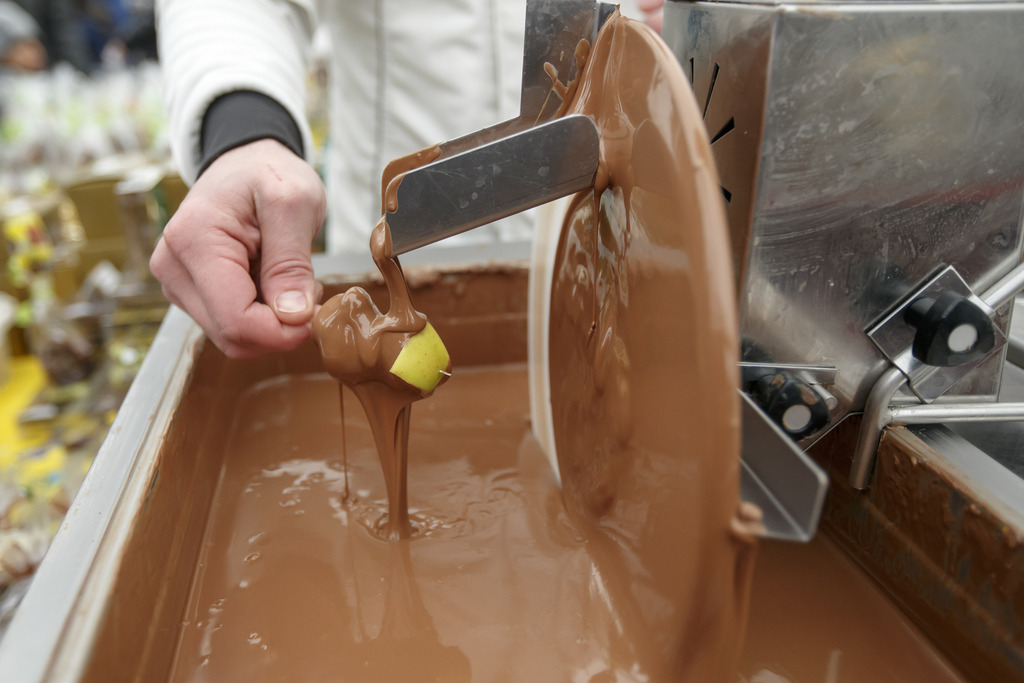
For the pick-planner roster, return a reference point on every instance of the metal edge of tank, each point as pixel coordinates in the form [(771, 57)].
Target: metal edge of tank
[(942, 543), (51, 634)]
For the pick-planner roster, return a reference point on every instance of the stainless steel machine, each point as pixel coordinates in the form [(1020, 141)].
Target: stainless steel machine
[(872, 163), (871, 157)]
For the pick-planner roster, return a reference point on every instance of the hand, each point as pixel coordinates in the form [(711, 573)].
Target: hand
[(652, 11), (236, 254), (25, 55)]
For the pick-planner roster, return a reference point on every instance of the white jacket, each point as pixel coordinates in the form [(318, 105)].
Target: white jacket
[(405, 74)]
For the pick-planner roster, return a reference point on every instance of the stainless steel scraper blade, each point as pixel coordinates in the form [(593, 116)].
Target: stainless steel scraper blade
[(495, 180)]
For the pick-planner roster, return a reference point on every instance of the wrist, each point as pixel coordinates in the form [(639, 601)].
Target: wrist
[(241, 117)]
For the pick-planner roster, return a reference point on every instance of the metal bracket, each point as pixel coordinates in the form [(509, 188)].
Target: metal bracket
[(779, 478), (815, 375), (894, 337), (878, 409)]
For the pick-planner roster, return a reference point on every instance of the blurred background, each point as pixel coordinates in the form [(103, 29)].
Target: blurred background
[(86, 185)]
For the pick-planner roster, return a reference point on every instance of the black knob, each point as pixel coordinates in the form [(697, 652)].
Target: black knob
[(951, 330), (790, 402)]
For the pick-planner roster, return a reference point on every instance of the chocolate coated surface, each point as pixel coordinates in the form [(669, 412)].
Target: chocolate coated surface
[(643, 349), (359, 344)]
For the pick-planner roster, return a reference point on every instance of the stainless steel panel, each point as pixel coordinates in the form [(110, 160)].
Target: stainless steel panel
[(890, 143), (725, 50)]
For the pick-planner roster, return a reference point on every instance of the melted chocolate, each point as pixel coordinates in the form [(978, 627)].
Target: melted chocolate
[(816, 618), (359, 344), (294, 582), (643, 349)]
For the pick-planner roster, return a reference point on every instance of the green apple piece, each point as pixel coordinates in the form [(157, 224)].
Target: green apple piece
[(422, 361)]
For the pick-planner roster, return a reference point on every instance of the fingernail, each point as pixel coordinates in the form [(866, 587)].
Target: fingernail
[(292, 301)]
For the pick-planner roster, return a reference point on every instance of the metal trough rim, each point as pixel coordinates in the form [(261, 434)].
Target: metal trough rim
[(52, 632)]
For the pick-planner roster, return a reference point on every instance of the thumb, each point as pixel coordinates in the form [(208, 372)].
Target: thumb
[(290, 206), (286, 270), (287, 280)]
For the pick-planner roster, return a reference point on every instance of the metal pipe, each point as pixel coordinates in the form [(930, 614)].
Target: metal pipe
[(1006, 289), (938, 413), (876, 417), (878, 413)]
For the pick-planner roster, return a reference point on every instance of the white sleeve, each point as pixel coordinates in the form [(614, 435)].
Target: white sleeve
[(15, 25), (211, 47)]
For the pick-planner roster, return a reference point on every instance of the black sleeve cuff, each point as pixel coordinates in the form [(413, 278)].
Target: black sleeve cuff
[(244, 116)]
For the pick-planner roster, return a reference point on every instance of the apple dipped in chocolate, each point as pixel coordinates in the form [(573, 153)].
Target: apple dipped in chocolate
[(388, 360)]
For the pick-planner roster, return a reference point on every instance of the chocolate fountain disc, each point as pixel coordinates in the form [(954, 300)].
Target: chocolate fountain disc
[(655, 275), (634, 349)]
